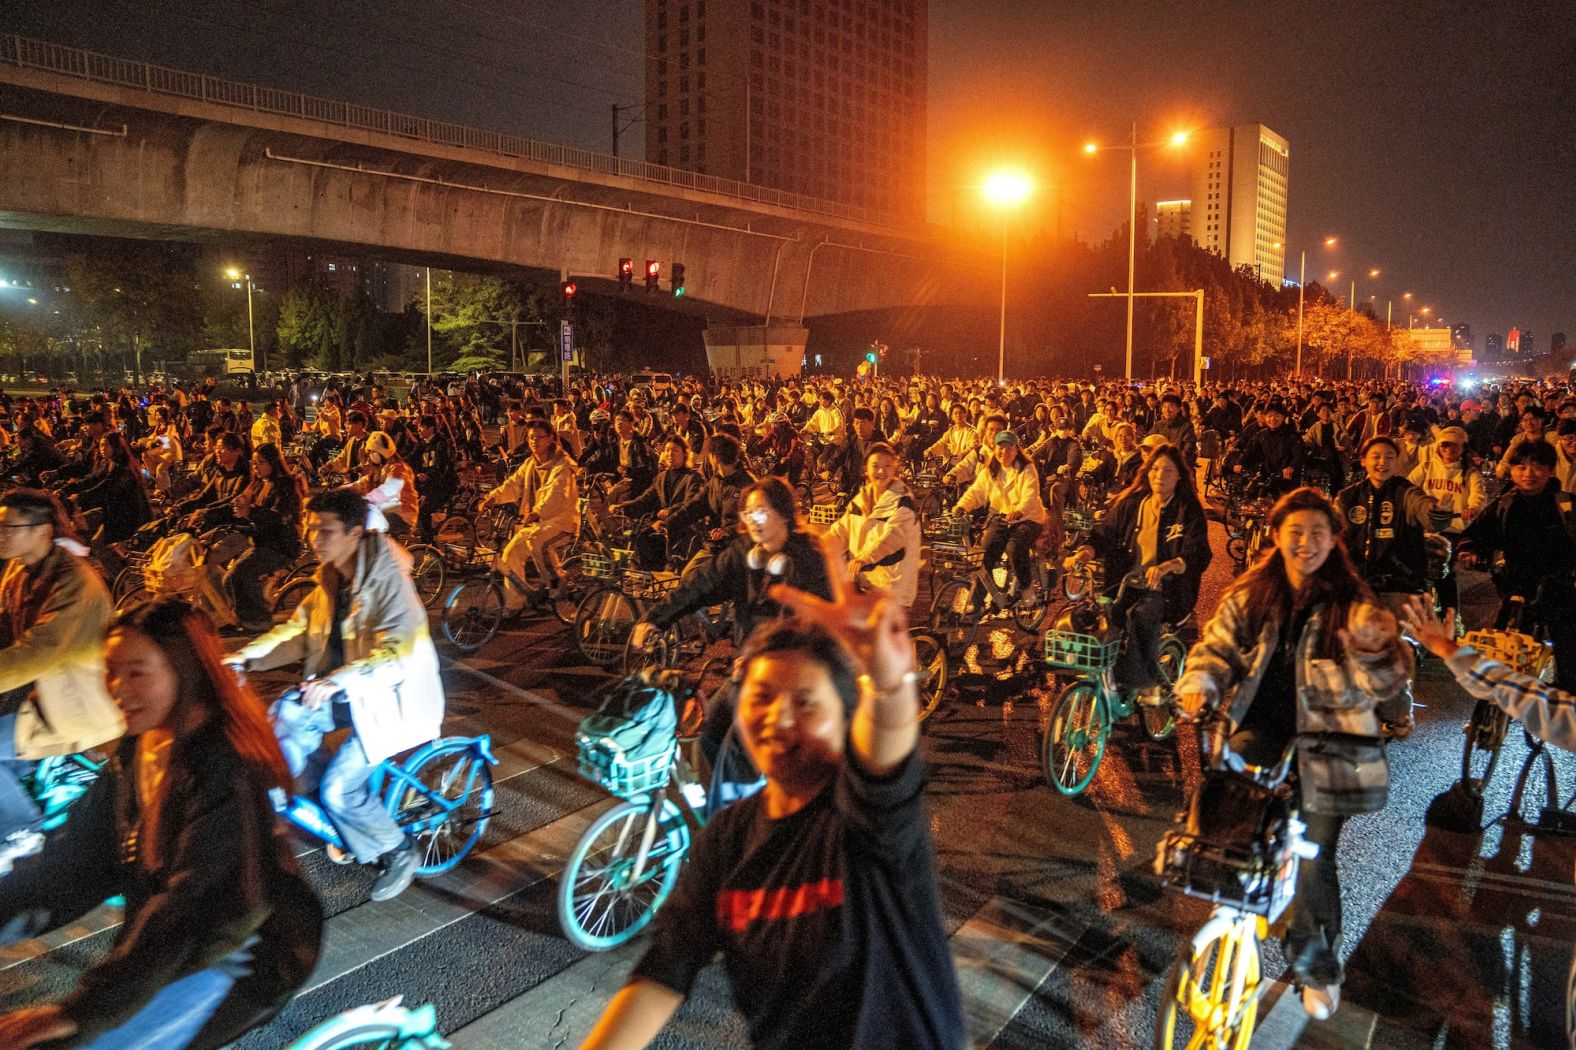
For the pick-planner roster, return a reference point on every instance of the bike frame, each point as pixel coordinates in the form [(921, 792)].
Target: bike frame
[(308, 814)]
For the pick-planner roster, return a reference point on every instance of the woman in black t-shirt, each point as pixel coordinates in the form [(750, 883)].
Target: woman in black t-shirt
[(821, 890)]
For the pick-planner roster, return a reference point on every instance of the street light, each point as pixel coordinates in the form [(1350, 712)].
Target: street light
[(1302, 280), (1004, 190), (1177, 139), (236, 274)]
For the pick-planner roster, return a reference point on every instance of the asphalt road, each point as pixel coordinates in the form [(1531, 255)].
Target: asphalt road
[(1458, 931)]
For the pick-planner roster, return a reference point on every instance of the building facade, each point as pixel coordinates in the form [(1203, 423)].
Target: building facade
[(1173, 219), (1239, 197), (820, 97)]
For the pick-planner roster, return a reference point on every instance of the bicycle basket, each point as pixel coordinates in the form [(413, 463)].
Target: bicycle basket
[(649, 586), (598, 567), (1080, 652), (1234, 846), (1076, 521), (952, 557), (1520, 652), (825, 513), (948, 529), (628, 745)]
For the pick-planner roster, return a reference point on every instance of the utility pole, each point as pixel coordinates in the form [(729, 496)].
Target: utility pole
[(429, 320)]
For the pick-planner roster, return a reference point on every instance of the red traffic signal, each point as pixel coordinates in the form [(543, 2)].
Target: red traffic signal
[(626, 274), (653, 272), (567, 288)]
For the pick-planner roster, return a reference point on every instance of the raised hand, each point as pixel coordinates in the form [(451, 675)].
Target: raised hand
[(1370, 629)]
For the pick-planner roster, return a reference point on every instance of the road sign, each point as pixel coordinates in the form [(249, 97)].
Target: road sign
[(566, 341)]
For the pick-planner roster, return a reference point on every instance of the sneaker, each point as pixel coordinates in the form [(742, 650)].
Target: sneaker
[(1152, 696), (17, 845), (1321, 1000), (399, 871), (336, 855)]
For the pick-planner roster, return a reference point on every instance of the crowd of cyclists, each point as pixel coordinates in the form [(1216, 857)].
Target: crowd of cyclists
[(150, 539)]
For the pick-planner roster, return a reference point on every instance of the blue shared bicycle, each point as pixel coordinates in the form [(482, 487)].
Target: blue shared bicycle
[(441, 797)]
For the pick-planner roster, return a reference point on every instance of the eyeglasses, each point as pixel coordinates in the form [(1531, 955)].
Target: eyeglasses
[(759, 516)]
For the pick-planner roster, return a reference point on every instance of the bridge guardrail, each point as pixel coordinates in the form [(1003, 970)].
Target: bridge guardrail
[(26, 52)]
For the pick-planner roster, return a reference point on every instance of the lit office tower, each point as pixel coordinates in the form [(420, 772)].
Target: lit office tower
[(1173, 219), (1239, 197), (820, 97)]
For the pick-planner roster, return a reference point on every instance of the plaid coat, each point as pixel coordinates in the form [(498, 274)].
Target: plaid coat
[(1342, 704)]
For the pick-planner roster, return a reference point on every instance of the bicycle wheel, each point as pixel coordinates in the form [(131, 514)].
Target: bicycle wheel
[(1075, 586), (473, 614), (570, 589), (1237, 550), (930, 660), (1030, 617), (1485, 737), (1075, 736), (292, 594), (1161, 722), (447, 818), (602, 625), (678, 646), (127, 581), (956, 612), (603, 901), (1197, 1008), (427, 571)]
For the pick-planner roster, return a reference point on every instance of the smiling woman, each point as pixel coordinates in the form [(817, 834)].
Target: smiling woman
[(821, 890)]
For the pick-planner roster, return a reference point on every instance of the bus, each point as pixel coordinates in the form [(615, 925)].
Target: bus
[(224, 362)]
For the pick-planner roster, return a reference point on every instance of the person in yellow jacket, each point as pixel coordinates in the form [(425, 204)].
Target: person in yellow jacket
[(546, 489), (1009, 486)]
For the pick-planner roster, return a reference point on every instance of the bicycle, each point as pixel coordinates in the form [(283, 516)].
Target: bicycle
[(1215, 984), (1083, 714), (627, 862), (53, 784), (386, 1025), (1488, 725), (968, 593), (441, 797), (607, 614)]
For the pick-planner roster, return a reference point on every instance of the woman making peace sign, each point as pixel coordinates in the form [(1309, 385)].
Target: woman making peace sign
[(820, 891)]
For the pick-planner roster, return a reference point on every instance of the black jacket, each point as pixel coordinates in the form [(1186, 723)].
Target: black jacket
[(1536, 533), (119, 493), (715, 506), (1183, 533), (226, 875), (729, 578), (1384, 532), (1269, 452), (603, 459), (669, 490)]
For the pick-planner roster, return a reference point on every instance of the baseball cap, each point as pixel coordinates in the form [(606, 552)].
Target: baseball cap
[(1471, 403), (1006, 437), (1452, 436), (1152, 441)]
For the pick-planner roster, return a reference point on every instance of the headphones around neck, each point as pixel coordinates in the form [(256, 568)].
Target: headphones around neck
[(774, 564)]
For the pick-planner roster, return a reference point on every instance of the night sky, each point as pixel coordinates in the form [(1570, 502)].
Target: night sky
[(1437, 140)]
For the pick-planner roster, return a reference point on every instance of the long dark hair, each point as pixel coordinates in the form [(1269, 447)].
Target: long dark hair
[(1186, 491), (188, 641), (1336, 584)]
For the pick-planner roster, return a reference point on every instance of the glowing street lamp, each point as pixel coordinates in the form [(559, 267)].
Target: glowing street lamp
[(236, 274), (1302, 280), (1005, 190), (1177, 139)]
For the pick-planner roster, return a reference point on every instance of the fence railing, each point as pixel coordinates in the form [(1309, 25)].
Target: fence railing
[(63, 60)]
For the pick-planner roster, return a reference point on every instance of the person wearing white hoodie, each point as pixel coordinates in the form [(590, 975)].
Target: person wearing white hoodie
[(1450, 480), (879, 532)]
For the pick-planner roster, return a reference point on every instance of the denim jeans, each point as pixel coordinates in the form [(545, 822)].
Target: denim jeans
[(17, 808), (340, 779), (173, 1017)]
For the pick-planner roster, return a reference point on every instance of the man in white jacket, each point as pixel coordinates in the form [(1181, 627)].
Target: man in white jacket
[(369, 665), (879, 532), (1009, 486), (1446, 476), (549, 498)]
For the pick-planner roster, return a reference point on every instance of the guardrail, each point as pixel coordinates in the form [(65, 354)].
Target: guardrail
[(60, 59)]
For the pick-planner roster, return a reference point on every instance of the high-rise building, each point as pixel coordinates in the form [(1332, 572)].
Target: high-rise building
[(820, 97), (1493, 346), (1239, 197), (1556, 342), (1173, 219), (1462, 335)]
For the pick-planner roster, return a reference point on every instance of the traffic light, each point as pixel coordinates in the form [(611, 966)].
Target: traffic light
[(871, 357), (881, 348), (678, 280), (626, 274), (653, 272), (567, 289)]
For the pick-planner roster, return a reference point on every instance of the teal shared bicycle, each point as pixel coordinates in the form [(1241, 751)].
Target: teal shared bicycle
[(1084, 647)]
